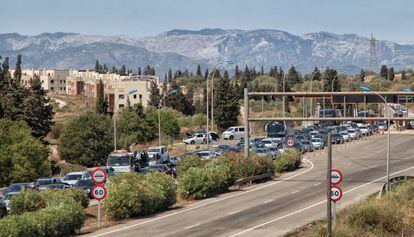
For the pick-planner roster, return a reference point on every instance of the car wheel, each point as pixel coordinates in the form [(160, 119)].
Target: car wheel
[(192, 142), (231, 137)]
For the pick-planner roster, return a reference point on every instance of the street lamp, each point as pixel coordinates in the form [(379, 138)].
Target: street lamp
[(159, 107), (116, 105), (212, 72), (367, 89)]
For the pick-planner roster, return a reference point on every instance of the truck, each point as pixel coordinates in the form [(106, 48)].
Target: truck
[(121, 161), (158, 155)]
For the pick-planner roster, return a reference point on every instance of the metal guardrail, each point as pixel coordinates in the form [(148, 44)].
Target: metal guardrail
[(250, 179), (393, 181)]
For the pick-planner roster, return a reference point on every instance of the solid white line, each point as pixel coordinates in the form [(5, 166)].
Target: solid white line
[(314, 205), (271, 200), (205, 204), (232, 213), (317, 184), (192, 226)]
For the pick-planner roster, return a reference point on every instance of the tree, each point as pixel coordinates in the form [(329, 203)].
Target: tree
[(403, 76), (362, 76), (293, 77), (155, 95), (170, 77), (97, 66), (391, 74), (23, 158), (206, 73), (87, 140), (122, 71), (330, 75), (317, 76), (384, 71), (18, 72), (102, 106), (226, 106), (236, 73), (38, 110), (5, 66), (139, 71), (198, 73)]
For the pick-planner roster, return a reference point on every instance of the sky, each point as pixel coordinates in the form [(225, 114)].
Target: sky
[(387, 20)]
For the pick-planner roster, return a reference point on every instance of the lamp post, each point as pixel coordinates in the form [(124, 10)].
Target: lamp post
[(159, 107), (212, 70), (116, 105), (367, 89)]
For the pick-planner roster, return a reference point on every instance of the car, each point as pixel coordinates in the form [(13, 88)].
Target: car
[(364, 130), (226, 148), (262, 152), (43, 188), (15, 187), (197, 138), (86, 185), (337, 138), (345, 135), (270, 142), (352, 134), (234, 133), (73, 177), (373, 128), (308, 146), (7, 198), (214, 136), (164, 168), (158, 154), (206, 155), (273, 152), (313, 133), (45, 181), (318, 143), (298, 146), (3, 209), (382, 126)]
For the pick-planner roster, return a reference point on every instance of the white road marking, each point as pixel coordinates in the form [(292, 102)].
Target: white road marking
[(317, 184), (205, 204), (271, 200), (314, 205), (294, 192), (192, 226), (232, 213)]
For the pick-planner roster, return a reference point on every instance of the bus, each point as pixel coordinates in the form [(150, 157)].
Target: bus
[(278, 129)]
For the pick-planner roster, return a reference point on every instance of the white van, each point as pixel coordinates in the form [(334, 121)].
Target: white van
[(158, 154), (235, 133)]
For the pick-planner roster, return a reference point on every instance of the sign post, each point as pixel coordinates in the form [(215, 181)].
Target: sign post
[(98, 191)]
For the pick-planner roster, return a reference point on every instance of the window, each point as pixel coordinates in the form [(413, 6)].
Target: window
[(51, 88), (241, 129), (52, 81), (121, 96), (121, 106), (135, 96), (140, 98)]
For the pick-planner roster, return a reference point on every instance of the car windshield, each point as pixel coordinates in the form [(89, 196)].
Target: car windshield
[(229, 130), (273, 149), (118, 161), (316, 140), (204, 153), (73, 177), (351, 131), (43, 181), (363, 127), (335, 135), (305, 142), (14, 188), (267, 141)]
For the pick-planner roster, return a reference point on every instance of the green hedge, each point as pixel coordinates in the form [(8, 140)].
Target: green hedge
[(217, 175), (131, 195), (290, 160), (28, 201), (62, 215), (187, 162)]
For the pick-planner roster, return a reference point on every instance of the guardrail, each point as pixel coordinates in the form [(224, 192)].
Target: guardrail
[(393, 181), (238, 183)]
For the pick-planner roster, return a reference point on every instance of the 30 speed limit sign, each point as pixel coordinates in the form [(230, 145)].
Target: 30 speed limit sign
[(336, 193), (290, 142), (98, 192)]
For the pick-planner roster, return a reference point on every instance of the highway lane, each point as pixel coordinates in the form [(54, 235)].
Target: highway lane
[(279, 206)]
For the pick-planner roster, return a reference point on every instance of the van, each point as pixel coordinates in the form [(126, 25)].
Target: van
[(158, 155), (235, 133)]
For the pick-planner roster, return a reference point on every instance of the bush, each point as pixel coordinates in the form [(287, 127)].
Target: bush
[(61, 216), (131, 195), (57, 195), (186, 163), (290, 160), (28, 201), (195, 184)]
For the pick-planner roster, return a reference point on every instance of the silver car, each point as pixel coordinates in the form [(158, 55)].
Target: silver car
[(317, 143)]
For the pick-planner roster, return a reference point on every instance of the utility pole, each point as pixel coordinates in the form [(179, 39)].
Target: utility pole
[(328, 187)]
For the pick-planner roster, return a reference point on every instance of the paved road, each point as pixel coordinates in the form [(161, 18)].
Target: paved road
[(284, 204)]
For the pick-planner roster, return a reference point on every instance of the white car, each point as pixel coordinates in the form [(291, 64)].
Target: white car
[(270, 142), (73, 177), (364, 130), (197, 138), (234, 133), (206, 155), (317, 143), (313, 134), (345, 135), (7, 198), (352, 134)]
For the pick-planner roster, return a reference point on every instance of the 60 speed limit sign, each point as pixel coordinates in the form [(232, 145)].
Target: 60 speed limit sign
[(336, 193), (98, 192), (290, 142)]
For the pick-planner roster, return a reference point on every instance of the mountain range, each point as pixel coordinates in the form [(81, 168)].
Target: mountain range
[(180, 49)]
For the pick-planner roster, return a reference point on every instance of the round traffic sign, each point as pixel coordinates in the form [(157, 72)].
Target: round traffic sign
[(336, 193), (98, 192), (336, 176), (99, 175), (290, 142)]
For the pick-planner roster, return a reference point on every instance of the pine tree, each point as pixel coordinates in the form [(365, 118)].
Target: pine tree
[(362, 76), (139, 71), (293, 77), (384, 71), (198, 73), (97, 66), (105, 68), (170, 77), (18, 72), (226, 105), (102, 106), (391, 74), (122, 72), (206, 73), (316, 74), (236, 73), (329, 76), (226, 75), (403, 76), (155, 95), (262, 71), (152, 71), (5, 66)]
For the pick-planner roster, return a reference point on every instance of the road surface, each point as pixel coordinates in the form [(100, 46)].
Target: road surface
[(277, 207)]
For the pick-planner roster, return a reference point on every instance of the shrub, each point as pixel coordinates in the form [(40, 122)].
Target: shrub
[(290, 160), (28, 201), (131, 195), (186, 163), (57, 195), (194, 184)]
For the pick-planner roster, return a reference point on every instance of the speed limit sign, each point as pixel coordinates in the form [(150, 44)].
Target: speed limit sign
[(99, 175), (98, 192), (336, 176), (290, 142), (336, 193)]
